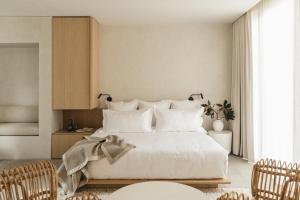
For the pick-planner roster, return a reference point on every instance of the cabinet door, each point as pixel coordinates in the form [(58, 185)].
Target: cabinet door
[(71, 62), (61, 143)]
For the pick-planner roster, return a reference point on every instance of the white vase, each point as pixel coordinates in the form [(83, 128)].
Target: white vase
[(218, 125)]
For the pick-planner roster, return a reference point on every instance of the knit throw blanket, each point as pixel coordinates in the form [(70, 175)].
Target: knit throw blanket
[(73, 174)]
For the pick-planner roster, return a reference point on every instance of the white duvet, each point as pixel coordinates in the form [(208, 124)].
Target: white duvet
[(168, 155)]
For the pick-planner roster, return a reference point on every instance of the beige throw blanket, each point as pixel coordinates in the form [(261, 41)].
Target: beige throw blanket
[(73, 174)]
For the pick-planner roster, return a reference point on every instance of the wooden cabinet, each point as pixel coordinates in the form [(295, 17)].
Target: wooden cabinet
[(63, 140), (75, 60)]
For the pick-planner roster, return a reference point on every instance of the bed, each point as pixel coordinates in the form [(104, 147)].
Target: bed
[(171, 145), (186, 157)]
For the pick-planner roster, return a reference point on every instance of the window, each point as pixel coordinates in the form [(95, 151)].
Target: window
[(273, 82)]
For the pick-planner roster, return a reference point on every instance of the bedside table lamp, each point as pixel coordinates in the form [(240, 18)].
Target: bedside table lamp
[(108, 98), (191, 98)]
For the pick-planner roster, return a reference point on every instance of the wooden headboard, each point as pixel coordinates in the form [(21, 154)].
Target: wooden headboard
[(84, 118)]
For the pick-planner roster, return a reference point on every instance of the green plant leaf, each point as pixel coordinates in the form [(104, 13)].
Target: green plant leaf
[(229, 115), (228, 105)]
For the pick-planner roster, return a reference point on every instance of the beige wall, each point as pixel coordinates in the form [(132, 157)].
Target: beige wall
[(19, 69), (151, 63), (32, 30), (166, 62)]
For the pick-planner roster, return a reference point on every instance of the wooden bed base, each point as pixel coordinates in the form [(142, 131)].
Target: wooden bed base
[(203, 183)]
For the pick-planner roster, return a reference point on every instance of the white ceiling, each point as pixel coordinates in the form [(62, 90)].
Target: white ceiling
[(133, 11)]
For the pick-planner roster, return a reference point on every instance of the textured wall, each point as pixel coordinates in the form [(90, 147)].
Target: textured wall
[(166, 62), (32, 30), (19, 78)]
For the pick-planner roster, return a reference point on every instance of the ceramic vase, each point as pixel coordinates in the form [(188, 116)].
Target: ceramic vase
[(218, 125)]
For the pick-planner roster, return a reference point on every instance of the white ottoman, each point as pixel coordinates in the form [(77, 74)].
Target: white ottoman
[(224, 138)]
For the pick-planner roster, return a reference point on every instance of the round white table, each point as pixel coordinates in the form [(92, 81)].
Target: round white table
[(156, 190)]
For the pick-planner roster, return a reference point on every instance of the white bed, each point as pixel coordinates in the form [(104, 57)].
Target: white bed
[(165, 155)]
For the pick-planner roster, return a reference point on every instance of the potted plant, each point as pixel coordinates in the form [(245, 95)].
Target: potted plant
[(220, 112)]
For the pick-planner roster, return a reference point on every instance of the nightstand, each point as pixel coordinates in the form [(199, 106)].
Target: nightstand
[(63, 140), (224, 138)]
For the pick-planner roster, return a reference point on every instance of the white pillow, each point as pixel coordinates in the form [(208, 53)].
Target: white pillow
[(179, 120), (127, 121), (154, 105), (123, 106), (186, 104)]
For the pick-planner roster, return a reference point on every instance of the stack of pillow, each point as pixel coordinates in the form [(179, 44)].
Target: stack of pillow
[(161, 116)]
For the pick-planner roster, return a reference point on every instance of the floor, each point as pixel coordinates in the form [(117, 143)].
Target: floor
[(239, 171)]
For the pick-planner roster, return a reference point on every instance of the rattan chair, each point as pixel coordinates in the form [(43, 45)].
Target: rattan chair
[(233, 196), (274, 180), (3, 189), (32, 181), (84, 196), (269, 177), (291, 189)]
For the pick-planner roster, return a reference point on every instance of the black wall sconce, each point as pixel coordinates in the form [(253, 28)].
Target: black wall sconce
[(191, 98), (108, 98)]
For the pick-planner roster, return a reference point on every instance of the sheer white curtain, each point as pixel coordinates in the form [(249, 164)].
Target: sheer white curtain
[(242, 88), (297, 83), (273, 78)]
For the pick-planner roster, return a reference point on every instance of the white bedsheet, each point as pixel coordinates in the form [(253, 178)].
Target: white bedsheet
[(175, 155)]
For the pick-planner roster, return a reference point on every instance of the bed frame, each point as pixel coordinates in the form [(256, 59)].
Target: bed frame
[(203, 183)]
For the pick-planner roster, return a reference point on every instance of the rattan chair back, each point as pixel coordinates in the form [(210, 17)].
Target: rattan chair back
[(84, 196), (233, 196), (291, 189), (269, 177), (32, 181)]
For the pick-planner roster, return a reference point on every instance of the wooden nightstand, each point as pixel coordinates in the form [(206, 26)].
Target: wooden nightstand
[(63, 140)]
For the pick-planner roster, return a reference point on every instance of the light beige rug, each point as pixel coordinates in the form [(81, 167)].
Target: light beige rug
[(208, 194)]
